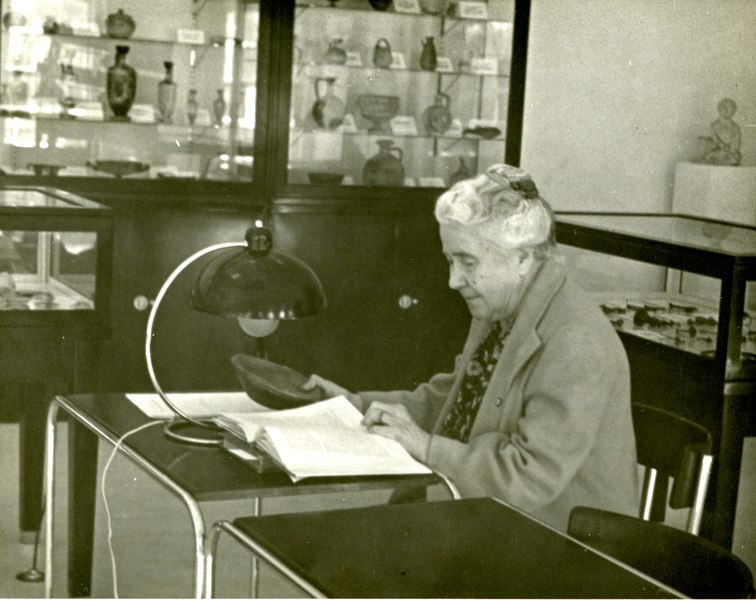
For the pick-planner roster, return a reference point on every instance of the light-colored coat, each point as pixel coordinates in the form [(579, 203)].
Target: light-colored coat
[(554, 429)]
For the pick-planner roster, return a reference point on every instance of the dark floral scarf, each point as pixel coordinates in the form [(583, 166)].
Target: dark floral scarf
[(458, 423)]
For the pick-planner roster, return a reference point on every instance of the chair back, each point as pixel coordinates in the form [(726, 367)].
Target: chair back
[(672, 447), (688, 563)]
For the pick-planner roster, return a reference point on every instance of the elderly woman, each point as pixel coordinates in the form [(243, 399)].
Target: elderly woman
[(537, 411)]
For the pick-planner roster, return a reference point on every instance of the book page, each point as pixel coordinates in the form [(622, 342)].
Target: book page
[(336, 413), (320, 452), (195, 404)]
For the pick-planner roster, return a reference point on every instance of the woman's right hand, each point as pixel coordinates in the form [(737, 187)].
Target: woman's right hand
[(331, 389)]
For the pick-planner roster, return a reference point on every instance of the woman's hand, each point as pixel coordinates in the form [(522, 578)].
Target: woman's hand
[(394, 421), (330, 390)]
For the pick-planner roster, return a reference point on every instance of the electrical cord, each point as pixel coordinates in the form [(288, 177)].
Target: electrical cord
[(105, 499)]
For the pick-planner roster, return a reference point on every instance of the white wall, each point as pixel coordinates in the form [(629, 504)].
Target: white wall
[(618, 91)]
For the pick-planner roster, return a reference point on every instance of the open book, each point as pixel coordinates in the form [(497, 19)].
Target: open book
[(320, 440)]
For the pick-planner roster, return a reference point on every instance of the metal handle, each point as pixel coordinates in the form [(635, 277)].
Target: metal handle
[(406, 301)]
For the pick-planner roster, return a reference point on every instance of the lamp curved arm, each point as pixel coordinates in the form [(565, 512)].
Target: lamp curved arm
[(151, 320)]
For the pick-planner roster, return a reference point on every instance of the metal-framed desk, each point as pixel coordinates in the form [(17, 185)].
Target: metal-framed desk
[(194, 474), (472, 548)]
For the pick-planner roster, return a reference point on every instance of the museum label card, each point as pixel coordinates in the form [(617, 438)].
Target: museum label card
[(432, 182), (444, 65), (403, 125), (484, 66), (354, 59), (142, 113), (407, 6), (397, 61), (467, 9), (190, 36)]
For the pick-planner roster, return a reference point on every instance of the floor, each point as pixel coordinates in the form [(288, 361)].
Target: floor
[(152, 541)]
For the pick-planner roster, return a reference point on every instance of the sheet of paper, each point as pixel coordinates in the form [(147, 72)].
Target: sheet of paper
[(195, 404)]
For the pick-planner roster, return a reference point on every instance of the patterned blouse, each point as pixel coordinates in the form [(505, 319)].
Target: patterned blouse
[(458, 422)]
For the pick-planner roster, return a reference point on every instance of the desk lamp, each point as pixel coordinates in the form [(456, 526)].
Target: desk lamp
[(247, 281)]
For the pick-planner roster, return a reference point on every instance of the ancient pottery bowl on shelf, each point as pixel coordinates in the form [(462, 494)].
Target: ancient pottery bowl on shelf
[(378, 109), (325, 178), (271, 384), (119, 168)]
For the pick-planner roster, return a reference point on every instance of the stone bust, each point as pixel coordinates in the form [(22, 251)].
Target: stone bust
[(723, 147)]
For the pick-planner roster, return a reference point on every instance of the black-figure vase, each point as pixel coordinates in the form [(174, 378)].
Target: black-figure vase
[(121, 85)]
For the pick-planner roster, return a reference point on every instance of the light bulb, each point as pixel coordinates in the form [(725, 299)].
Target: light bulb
[(258, 327)]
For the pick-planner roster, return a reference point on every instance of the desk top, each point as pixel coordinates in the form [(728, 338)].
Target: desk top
[(206, 473), (473, 548)]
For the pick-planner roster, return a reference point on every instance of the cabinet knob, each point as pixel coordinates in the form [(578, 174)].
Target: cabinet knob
[(406, 301), (142, 302)]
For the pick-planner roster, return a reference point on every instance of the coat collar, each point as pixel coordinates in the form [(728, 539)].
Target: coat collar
[(523, 340)]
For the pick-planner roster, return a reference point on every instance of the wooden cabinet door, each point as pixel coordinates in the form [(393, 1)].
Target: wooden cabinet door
[(366, 263), (191, 350)]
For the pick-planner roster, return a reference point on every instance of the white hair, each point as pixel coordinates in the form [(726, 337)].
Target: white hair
[(503, 205)]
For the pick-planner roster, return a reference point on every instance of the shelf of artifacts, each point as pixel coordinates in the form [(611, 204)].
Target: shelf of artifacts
[(65, 76), (682, 322), (458, 9)]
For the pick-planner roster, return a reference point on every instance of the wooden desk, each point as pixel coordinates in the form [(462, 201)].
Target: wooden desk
[(195, 474), (473, 548)]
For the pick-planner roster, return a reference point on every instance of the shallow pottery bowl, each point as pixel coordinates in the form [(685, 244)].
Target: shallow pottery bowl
[(272, 385), (325, 178), (119, 168)]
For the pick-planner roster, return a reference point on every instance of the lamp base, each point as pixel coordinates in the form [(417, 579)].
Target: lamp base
[(208, 434), (31, 576)]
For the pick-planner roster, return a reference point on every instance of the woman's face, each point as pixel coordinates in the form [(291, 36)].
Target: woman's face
[(490, 279)]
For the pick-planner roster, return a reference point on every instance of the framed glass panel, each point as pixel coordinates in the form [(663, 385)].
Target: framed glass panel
[(413, 95), (181, 98)]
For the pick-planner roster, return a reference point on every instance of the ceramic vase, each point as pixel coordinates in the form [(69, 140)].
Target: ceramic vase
[(192, 106), (18, 88), (66, 83), (437, 117), (428, 58), (336, 55), (329, 110), (119, 25), (384, 168), (382, 54), (219, 108), (121, 85), (166, 102)]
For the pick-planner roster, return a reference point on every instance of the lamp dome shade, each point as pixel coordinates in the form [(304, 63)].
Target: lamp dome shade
[(257, 283)]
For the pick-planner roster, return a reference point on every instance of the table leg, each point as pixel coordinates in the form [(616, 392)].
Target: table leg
[(31, 455), (738, 421), (49, 492), (82, 483)]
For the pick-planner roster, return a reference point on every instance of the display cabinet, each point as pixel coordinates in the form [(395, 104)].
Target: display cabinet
[(689, 327), (139, 89), (55, 307), (409, 93), (55, 259), (405, 93)]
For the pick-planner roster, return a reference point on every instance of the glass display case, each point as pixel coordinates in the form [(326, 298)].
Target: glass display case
[(139, 89), (409, 93), (55, 253), (688, 323)]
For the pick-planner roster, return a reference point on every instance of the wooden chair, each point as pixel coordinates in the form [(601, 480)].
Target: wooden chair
[(692, 565), (672, 447)]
